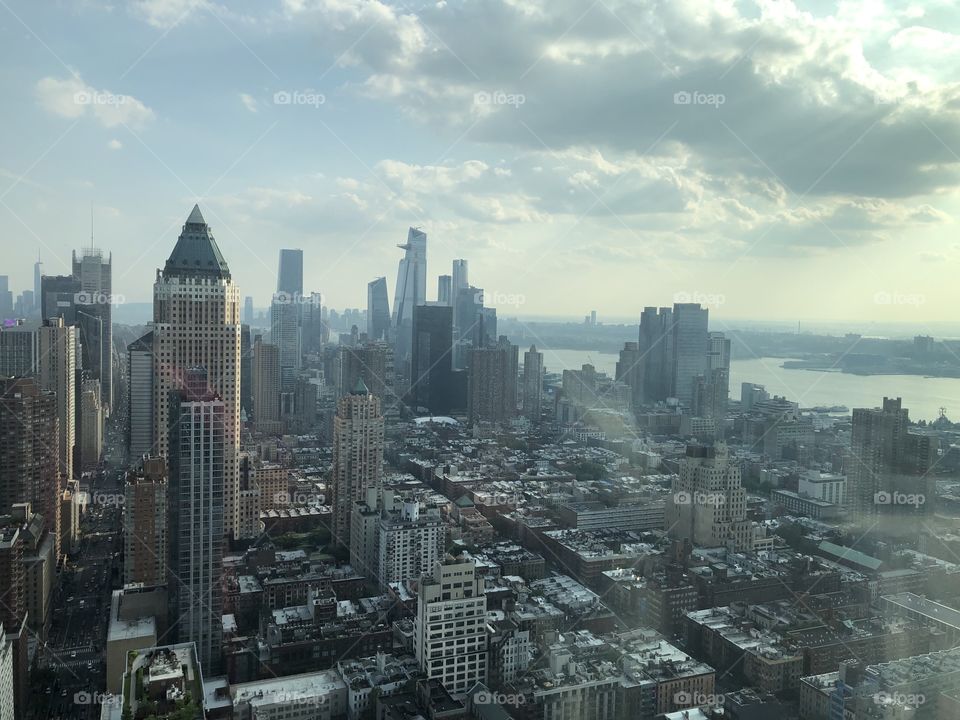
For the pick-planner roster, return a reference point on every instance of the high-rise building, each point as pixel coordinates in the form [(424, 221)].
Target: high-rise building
[(95, 316), (140, 397), (432, 358), (888, 474), (378, 310), (13, 611), (369, 362), (708, 506), (266, 387), (460, 277), (630, 367), (248, 310), (145, 524), (290, 272), (690, 347), (246, 370), (450, 634), (445, 290), (532, 383), (411, 291), (29, 452), (409, 543), (711, 391), (357, 455), (37, 280), (656, 348), (197, 452), (58, 297), (313, 331), (17, 349), (57, 372), (492, 383), (196, 322), (90, 425), (6, 298)]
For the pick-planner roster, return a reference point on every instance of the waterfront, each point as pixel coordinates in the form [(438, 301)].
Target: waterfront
[(923, 396)]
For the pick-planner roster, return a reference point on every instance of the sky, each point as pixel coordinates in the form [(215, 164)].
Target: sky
[(772, 160)]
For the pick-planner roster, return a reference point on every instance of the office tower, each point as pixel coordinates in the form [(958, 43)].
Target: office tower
[(492, 383), (313, 332), (285, 334), (708, 506), (532, 383), (459, 278), (37, 281), (248, 310), (656, 348), (266, 387), (196, 322), (6, 298), (468, 323), (888, 477), (690, 347), (29, 452), (488, 326), (630, 367), (95, 316), (246, 370), (378, 310), (432, 361), (290, 273), (370, 362), (357, 455), (17, 349), (445, 290), (145, 524), (57, 372), (90, 424), (13, 611), (411, 291), (58, 298), (140, 397), (199, 445), (712, 390), (751, 394), (450, 634)]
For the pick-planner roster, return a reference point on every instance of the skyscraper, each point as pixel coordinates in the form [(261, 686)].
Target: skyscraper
[(656, 350), (6, 298), (29, 452), (492, 383), (357, 455), (630, 367), (432, 361), (450, 629), (95, 316), (266, 387), (378, 310), (445, 290), (532, 383), (196, 314), (145, 524), (411, 290), (246, 370), (248, 310), (290, 272), (888, 475), (57, 372), (690, 347), (37, 279), (313, 328), (460, 277), (140, 397), (90, 424), (199, 445), (17, 349)]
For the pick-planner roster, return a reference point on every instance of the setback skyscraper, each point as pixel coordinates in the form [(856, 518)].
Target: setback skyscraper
[(95, 317), (378, 310), (196, 323), (411, 291)]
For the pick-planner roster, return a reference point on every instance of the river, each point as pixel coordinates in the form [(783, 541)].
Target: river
[(923, 396)]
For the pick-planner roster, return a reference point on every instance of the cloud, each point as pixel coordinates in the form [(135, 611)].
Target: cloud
[(115, 144), (249, 102), (166, 14), (73, 98)]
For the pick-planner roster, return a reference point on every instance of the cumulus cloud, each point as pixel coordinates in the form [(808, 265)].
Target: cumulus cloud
[(71, 97)]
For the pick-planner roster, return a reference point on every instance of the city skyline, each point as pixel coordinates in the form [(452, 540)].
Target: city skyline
[(675, 187)]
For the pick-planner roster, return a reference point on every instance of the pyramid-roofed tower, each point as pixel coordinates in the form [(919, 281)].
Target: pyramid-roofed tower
[(196, 252)]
